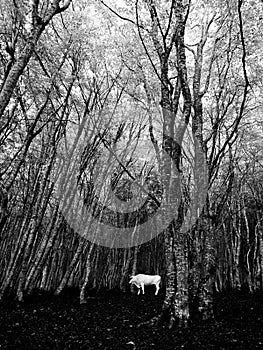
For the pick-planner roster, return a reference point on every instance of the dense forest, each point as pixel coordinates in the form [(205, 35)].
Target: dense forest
[(130, 143)]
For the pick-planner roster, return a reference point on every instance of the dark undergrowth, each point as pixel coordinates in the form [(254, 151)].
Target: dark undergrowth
[(110, 320)]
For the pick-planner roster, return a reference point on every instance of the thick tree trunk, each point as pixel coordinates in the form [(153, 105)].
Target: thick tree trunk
[(207, 278), (175, 307), (168, 310)]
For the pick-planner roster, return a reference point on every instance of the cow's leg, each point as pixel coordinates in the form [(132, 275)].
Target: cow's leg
[(157, 288), (139, 289), (142, 285)]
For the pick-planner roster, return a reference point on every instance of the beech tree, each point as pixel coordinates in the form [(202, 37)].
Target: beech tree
[(183, 85)]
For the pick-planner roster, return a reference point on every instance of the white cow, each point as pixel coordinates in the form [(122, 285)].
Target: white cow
[(142, 280)]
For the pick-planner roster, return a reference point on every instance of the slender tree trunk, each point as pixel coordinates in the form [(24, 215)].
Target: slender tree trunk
[(125, 269), (43, 251), (236, 249), (134, 266), (37, 26), (3, 206), (82, 299), (73, 263), (248, 268)]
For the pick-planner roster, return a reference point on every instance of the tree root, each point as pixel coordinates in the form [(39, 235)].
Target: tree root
[(164, 320)]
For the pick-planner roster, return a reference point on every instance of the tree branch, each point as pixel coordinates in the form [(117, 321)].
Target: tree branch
[(121, 17)]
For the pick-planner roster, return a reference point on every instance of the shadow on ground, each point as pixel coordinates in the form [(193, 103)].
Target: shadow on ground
[(109, 321)]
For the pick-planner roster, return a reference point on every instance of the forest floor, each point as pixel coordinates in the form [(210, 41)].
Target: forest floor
[(110, 321)]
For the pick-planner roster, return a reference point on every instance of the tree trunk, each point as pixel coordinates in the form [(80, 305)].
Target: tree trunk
[(207, 278), (36, 27), (73, 263), (82, 299)]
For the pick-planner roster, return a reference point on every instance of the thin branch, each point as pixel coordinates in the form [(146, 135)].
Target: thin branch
[(170, 19), (187, 12), (207, 81), (121, 17), (143, 44), (154, 16), (64, 7), (244, 54), (126, 170), (233, 133)]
